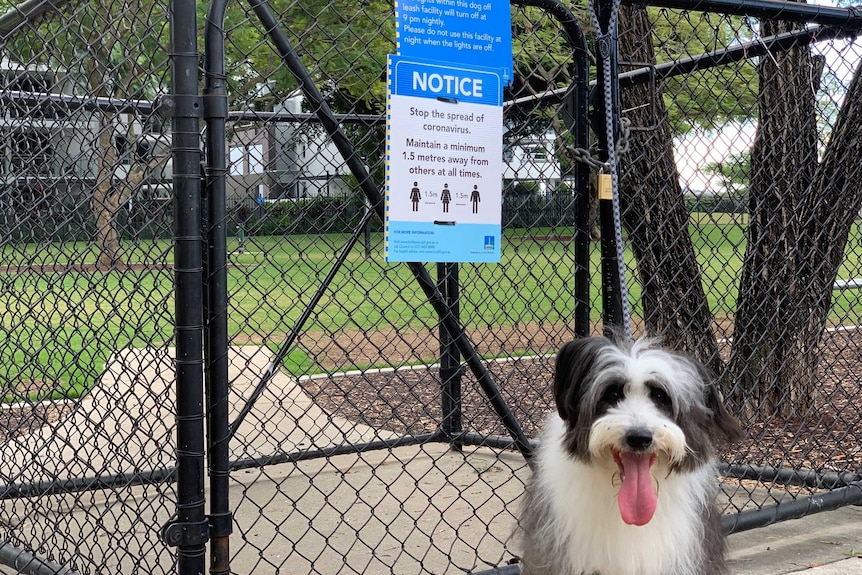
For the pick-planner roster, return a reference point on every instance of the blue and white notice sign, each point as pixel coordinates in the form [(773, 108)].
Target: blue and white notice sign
[(444, 134), (470, 32)]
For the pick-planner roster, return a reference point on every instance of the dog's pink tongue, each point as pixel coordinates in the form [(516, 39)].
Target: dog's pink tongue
[(637, 498)]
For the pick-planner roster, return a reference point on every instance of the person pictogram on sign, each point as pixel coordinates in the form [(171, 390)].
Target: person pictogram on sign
[(445, 197), (415, 196), (474, 197)]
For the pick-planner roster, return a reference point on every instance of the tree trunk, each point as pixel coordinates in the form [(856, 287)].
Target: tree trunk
[(774, 356), (110, 194), (800, 216), (105, 200), (834, 200), (654, 213)]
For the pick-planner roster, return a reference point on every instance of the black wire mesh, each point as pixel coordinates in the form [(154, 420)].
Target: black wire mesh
[(85, 269), (750, 152), (347, 453)]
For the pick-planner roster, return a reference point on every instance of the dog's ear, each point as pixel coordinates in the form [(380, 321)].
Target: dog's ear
[(726, 429), (574, 364), (726, 425)]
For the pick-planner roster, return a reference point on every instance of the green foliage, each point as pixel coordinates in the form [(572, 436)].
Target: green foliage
[(343, 44), (103, 47), (526, 188), (84, 317), (55, 363), (717, 204), (710, 97), (71, 354), (297, 363), (542, 57), (735, 171), (313, 215), (82, 320), (542, 61)]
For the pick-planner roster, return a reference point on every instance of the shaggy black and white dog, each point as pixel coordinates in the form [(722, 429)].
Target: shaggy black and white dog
[(624, 477)]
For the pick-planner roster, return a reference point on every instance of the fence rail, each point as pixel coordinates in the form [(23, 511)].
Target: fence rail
[(232, 378)]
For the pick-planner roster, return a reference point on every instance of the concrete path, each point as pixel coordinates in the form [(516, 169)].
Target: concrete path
[(820, 544), (126, 424), (845, 567)]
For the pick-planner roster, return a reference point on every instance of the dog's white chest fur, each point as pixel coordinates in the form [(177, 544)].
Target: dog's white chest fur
[(586, 526)]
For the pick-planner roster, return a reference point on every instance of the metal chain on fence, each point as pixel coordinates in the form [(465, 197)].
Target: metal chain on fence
[(588, 157)]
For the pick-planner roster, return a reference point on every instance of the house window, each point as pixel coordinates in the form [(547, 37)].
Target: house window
[(538, 153), (143, 151), (245, 160), (30, 152), (255, 159), (121, 143), (236, 160)]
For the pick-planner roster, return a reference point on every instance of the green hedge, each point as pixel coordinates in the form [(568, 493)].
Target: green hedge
[(725, 204), (314, 215)]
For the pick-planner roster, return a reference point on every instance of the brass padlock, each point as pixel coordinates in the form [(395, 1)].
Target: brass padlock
[(606, 191)]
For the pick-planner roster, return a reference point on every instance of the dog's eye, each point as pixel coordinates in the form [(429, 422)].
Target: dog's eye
[(659, 396), (612, 394)]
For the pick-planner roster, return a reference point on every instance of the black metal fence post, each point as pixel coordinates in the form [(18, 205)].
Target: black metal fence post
[(576, 116), (215, 108), (189, 529), (450, 358)]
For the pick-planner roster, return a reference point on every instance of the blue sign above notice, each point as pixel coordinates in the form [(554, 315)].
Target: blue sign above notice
[(469, 32)]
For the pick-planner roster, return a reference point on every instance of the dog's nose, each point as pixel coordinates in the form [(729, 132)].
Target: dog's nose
[(639, 439)]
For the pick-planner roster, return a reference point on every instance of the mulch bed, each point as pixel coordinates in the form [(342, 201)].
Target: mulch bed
[(19, 420), (407, 401)]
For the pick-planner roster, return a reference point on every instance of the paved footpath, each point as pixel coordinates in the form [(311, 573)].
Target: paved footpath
[(822, 544)]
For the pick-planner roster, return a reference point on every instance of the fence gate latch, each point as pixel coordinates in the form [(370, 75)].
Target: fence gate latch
[(169, 106), (177, 534)]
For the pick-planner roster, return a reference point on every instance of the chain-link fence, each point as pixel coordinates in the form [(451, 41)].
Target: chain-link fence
[(196, 310), (86, 314)]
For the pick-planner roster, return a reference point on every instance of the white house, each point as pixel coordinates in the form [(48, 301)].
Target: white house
[(532, 162), (49, 141), (285, 159)]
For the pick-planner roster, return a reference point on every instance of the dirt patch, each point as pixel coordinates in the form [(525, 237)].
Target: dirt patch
[(408, 400), (23, 419), (398, 347)]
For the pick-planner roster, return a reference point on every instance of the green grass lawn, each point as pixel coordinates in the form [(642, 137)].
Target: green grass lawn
[(58, 329)]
